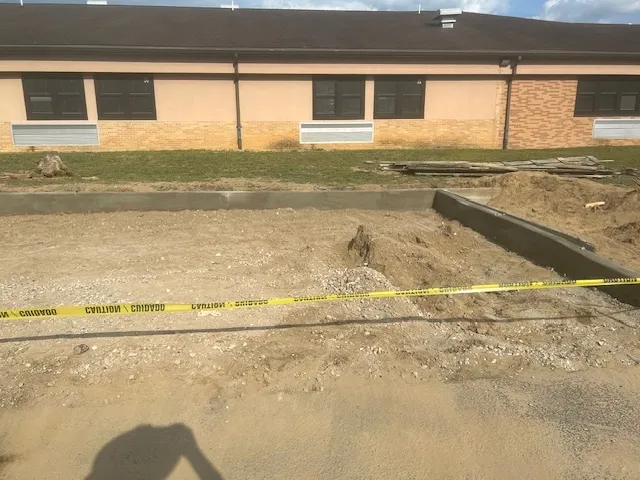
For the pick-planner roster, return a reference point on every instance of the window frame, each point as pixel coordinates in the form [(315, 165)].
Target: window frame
[(400, 80), (56, 97), (624, 86), (126, 95), (338, 97)]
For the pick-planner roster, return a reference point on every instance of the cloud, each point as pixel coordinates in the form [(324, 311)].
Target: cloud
[(484, 6), (606, 11)]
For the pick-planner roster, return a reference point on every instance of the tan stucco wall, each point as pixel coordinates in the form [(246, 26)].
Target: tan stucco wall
[(461, 99), (575, 69), (90, 95), (194, 99), (310, 68), (369, 97), (12, 106), (276, 100), (114, 66)]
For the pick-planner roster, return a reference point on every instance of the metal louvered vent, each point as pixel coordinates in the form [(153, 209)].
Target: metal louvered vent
[(55, 134), (336, 132), (616, 128)]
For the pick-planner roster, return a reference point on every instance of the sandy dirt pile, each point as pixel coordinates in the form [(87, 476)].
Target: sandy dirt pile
[(614, 228)]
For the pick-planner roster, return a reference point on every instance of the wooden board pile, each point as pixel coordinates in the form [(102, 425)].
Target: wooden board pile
[(581, 167)]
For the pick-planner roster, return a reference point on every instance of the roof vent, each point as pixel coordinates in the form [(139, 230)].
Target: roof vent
[(232, 6), (447, 16)]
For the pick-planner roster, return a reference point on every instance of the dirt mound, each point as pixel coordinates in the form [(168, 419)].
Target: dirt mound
[(560, 203), (627, 233), (568, 195)]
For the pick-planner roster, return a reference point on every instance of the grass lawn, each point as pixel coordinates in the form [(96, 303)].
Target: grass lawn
[(331, 168)]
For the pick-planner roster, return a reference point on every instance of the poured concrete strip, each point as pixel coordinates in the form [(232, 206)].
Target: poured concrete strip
[(482, 195), (95, 202), (539, 245)]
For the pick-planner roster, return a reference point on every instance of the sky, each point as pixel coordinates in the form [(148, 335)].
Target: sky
[(607, 11)]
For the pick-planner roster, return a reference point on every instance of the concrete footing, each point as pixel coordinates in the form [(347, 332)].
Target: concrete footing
[(540, 245), (96, 202)]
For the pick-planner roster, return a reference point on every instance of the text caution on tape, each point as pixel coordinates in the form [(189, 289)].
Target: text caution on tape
[(147, 308)]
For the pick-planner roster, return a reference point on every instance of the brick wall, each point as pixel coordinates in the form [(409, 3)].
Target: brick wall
[(270, 135), (542, 116), (6, 142), (388, 134), (436, 133), (149, 135), (146, 135)]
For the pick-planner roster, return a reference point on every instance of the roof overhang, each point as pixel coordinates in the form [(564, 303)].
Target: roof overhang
[(224, 51)]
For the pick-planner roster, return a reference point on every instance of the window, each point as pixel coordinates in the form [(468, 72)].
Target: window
[(54, 97), (399, 98), (610, 96), (338, 98), (125, 97)]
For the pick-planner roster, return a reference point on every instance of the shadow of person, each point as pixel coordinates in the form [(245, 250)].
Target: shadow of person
[(151, 453)]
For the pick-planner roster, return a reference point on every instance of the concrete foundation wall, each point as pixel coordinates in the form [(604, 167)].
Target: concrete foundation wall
[(538, 245)]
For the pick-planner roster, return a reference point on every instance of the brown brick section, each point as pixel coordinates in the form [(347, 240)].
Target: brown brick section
[(542, 116)]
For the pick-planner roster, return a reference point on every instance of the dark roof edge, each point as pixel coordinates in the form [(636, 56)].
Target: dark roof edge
[(311, 51)]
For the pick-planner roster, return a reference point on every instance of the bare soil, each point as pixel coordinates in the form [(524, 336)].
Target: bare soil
[(614, 228), (531, 384)]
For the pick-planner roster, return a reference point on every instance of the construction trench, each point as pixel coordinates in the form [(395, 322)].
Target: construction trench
[(317, 390)]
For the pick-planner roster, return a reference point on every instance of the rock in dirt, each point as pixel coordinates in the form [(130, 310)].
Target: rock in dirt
[(52, 166), (80, 349), (361, 247)]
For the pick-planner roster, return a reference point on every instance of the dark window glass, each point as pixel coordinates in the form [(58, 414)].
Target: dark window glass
[(54, 97), (628, 102), (399, 97), (606, 102), (338, 98), (608, 96), (125, 97), (385, 105), (586, 102)]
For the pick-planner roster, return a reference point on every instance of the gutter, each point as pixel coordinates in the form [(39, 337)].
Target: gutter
[(315, 51), (507, 113), (236, 83)]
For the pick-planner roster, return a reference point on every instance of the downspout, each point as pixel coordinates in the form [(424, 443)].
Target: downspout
[(236, 82), (507, 113)]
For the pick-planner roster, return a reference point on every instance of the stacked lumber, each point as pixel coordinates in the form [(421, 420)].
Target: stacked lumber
[(584, 167)]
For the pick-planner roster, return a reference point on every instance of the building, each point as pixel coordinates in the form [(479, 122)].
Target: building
[(105, 78)]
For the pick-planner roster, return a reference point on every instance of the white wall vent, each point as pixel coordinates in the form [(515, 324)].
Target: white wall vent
[(616, 128), (55, 134), (353, 131)]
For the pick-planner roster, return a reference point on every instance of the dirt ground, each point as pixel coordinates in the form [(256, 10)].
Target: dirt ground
[(539, 384), (614, 228)]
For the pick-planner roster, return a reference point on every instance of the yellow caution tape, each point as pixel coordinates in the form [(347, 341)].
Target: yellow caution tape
[(145, 308)]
